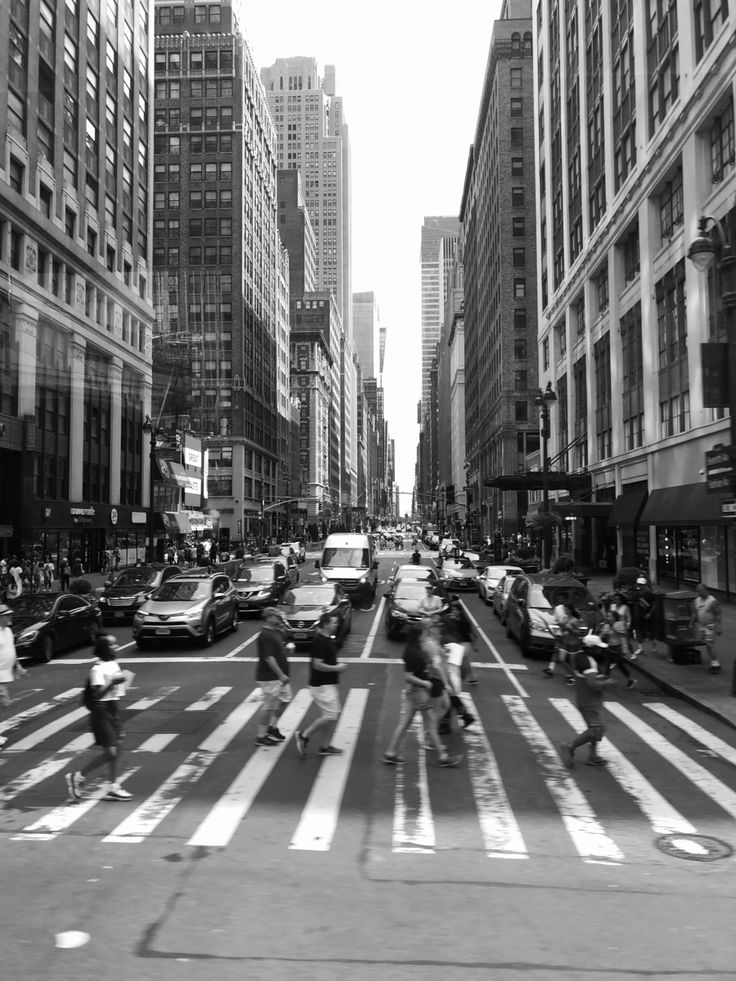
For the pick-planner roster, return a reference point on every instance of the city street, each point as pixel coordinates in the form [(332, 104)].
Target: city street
[(237, 862)]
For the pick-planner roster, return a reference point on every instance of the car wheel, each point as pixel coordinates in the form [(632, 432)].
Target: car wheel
[(236, 621), (47, 648), (208, 638)]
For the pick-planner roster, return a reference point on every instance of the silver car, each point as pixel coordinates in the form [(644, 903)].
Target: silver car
[(191, 606), (501, 595), (491, 576)]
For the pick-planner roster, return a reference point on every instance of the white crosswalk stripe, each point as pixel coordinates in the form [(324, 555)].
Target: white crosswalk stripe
[(417, 820)]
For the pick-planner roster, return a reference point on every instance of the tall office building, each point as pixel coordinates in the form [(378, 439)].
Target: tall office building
[(499, 251), (635, 129), (75, 311), (312, 137), (366, 332), (439, 238), (220, 272)]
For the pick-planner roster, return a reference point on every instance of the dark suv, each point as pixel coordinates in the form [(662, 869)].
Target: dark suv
[(194, 605), (130, 589)]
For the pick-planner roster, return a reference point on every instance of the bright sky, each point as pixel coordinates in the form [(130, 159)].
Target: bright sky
[(410, 73)]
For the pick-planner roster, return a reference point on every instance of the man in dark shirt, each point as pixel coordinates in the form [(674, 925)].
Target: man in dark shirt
[(272, 674), (324, 672), (589, 686)]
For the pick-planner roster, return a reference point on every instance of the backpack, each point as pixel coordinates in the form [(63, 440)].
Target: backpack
[(89, 699)]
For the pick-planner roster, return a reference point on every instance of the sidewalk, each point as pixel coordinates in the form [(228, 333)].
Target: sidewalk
[(691, 682)]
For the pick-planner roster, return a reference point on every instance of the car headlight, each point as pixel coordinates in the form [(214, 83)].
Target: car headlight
[(139, 615), (140, 597), (364, 578), (104, 600), (537, 622), (26, 637), (399, 615)]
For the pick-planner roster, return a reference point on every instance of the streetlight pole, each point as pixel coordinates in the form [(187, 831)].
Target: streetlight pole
[(543, 402), (150, 432)]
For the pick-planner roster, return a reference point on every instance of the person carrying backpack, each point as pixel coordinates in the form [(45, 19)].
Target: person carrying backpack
[(105, 687)]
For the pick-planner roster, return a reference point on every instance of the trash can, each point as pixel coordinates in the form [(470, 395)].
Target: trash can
[(676, 631)]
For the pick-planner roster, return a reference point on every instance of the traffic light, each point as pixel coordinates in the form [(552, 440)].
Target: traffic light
[(450, 493)]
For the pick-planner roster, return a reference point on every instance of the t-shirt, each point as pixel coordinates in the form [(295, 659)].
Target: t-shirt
[(7, 655), (102, 673), (323, 649), (586, 667), (270, 643), (415, 662)]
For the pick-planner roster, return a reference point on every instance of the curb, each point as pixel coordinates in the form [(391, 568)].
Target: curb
[(669, 689)]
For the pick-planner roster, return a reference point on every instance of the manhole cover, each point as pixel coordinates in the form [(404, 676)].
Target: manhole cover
[(695, 848)]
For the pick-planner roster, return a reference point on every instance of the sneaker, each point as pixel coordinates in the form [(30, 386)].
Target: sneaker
[(3, 740), (392, 759), (330, 751), (116, 792), (74, 781), (638, 651), (567, 754), (266, 741), (275, 733), (449, 760), (548, 671), (631, 683), (569, 680), (301, 744), (714, 668), (596, 761)]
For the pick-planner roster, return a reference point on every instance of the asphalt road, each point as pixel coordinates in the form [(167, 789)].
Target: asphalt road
[(235, 862)]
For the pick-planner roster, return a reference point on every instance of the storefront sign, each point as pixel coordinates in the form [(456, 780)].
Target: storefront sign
[(719, 469), (113, 516), (192, 458), (82, 516), (728, 508)]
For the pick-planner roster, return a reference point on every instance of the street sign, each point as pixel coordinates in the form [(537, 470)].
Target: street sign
[(719, 469)]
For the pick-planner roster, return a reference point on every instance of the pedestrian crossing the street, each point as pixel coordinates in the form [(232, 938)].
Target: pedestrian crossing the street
[(665, 775)]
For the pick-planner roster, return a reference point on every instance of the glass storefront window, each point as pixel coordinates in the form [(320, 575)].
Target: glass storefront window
[(666, 553), (688, 554), (713, 557)]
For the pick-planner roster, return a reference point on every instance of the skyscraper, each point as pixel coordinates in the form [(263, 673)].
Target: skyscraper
[(439, 238), (365, 332)]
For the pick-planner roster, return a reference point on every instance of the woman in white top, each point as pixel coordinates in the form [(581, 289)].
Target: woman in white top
[(107, 684)]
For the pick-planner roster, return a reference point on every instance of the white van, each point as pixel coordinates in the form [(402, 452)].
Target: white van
[(350, 561)]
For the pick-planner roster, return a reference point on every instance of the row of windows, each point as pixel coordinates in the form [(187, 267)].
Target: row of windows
[(210, 171), (209, 255), (197, 199), (197, 227), (198, 59)]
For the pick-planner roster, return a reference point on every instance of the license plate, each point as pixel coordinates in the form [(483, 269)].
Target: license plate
[(163, 631), (300, 635), (119, 614)]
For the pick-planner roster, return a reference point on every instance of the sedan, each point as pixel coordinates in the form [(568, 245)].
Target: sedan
[(403, 605), (501, 596), (260, 584), (419, 573), (530, 610), (460, 574), (302, 606), (46, 623), (192, 606), (129, 590), (296, 549), (491, 577)]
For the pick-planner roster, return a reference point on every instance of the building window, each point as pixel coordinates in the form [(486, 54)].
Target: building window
[(516, 78), (519, 287), (517, 166), (663, 60), (517, 136), (517, 106), (630, 250), (710, 16), (545, 353), (722, 149), (519, 257), (520, 349), (671, 205), (520, 319), (517, 197), (16, 175), (521, 411)]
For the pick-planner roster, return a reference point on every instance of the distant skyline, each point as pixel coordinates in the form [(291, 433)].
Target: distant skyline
[(411, 78)]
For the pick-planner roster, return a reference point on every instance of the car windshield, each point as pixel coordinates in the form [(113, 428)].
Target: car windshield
[(181, 591), (537, 599), (310, 596), (350, 558), (135, 577), (33, 606), (496, 572), (410, 590), (414, 572), (256, 573)]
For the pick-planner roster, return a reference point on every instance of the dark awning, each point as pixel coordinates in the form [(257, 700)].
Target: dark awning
[(583, 509), (627, 508), (690, 504), (533, 480)]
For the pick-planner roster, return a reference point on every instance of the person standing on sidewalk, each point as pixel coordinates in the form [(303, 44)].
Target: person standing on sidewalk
[(10, 666), (706, 615), (272, 674), (324, 672), (107, 684)]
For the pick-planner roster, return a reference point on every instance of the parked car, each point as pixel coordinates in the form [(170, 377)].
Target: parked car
[(46, 623), (501, 596), (303, 605), (529, 607), (491, 576), (403, 604), (195, 605), (296, 548), (129, 590), (458, 574), (261, 584)]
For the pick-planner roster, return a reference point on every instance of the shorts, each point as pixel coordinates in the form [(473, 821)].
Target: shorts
[(5, 698), (419, 698), (327, 698), (708, 633), (105, 724), (274, 693), (593, 717)]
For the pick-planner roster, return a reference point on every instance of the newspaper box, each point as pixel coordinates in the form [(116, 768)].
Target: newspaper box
[(677, 631)]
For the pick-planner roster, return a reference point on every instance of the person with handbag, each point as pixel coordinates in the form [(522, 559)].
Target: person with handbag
[(10, 666)]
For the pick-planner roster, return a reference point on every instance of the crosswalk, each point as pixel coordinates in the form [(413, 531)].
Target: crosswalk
[(666, 775)]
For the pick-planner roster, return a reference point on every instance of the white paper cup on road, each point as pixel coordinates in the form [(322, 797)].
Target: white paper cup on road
[(71, 938)]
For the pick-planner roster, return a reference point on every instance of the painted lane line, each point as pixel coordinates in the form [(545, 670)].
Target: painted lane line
[(318, 822), (697, 732), (241, 647), (368, 646), (17, 720), (47, 768), (148, 701), (663, 818), (506, 668), (502, 836), (223, 820), (50, 729), (62, 818), (298, 659), (209, 699), (156, 743), (588, 836), (151, 812), (697, 774), (413, 826)]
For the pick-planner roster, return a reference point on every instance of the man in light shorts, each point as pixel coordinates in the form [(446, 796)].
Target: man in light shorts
[(272, 674), (324, 672)]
